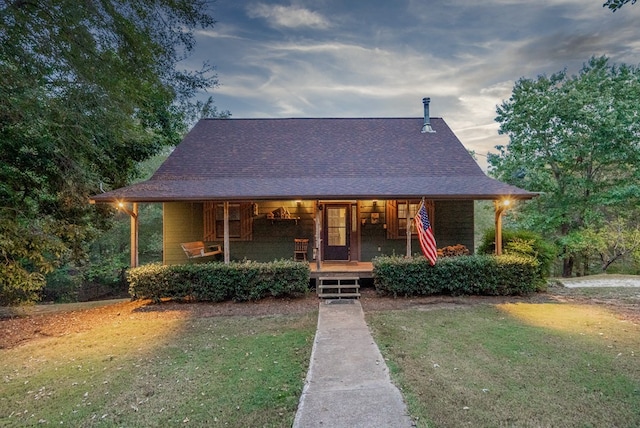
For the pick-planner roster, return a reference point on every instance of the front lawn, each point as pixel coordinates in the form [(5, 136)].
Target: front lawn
[(160, 369), (514, 364)]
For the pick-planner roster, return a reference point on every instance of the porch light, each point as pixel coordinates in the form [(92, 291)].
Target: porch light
[(122, 207)]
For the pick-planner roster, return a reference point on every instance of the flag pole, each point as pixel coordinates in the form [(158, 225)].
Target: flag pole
[(425, 234), (408, 233)]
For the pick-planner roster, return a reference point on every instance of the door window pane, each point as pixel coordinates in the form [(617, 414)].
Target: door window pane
[(337, 226)]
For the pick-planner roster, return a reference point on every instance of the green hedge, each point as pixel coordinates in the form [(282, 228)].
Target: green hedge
[(464, 275), (217, 281)]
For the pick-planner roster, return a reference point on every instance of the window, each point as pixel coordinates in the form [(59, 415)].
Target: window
[(396, 213), (240, 221), (402, 216)]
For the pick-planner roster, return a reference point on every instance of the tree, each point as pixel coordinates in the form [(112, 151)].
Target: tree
[(616, 240), (575, 139), (617, 4), (89, 89)]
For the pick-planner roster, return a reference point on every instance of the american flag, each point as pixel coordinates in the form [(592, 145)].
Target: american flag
[(425, 235)]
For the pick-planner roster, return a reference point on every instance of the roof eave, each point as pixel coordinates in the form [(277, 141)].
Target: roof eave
[(324, 197)]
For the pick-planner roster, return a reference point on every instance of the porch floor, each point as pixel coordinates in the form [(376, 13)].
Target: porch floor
[(356, 269)]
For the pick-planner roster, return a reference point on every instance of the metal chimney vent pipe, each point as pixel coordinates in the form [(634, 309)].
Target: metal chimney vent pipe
[(426, 127)]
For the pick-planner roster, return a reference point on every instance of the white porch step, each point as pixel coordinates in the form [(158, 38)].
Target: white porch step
[(337, 287)]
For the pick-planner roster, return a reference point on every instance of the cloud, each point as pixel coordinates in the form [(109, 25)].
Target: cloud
[(345, 79), (381, 58), (288, 16)]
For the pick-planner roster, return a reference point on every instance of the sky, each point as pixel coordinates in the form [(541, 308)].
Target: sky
[(379, 58)]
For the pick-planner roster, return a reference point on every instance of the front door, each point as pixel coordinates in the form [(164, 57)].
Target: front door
[(336, 232)]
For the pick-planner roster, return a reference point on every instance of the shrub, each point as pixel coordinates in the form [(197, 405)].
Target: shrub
[(217, 281), (523, 243), (464, 275)]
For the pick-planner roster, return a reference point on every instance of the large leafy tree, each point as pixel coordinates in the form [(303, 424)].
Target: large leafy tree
[(617, 4), (575, 139), (88, 89)]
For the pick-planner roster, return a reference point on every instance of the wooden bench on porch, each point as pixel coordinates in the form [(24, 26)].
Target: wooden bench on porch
[(197, 249)]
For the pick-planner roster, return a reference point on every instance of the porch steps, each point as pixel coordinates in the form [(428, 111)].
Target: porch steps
[(338, 287)]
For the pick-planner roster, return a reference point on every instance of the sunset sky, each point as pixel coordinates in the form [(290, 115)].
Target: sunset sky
[(379, 58)]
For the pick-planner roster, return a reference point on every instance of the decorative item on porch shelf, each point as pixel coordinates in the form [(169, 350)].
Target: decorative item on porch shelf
[(281, 213)]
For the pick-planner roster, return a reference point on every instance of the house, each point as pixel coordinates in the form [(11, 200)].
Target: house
[(349, 185)]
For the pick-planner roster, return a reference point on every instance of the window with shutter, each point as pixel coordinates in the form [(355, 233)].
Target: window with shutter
[(240, 221), (396, 213)]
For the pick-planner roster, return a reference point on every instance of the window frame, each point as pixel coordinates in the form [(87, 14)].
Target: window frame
[(214, 221), (393, 207)]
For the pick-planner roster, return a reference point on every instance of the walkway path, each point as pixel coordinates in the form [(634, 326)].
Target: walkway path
[(348, 382), (602, 280)]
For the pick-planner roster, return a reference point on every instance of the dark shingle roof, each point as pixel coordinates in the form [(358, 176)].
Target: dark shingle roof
[(322, 158)]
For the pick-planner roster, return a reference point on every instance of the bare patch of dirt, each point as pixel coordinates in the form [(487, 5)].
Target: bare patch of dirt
[(60, 320)]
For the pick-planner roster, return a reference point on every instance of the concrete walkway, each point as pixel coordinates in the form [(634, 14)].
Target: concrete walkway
[(348, 382)]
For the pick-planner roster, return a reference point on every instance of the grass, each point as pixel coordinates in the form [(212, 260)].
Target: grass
[(155, 372), (514, 365)]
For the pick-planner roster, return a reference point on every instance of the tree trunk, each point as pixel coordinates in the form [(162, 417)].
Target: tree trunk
[(585, 265), (567, 267)]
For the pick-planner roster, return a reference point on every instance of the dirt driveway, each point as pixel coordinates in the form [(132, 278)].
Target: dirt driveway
[(602, 281)]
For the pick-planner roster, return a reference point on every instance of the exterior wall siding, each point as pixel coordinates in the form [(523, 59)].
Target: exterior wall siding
[(273, 238), (181, 222), (373, 234), (454, 224)]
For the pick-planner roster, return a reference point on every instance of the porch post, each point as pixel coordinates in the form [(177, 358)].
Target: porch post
[(226, 233), (500, 206), (498, 243), (134, 234), (318, 238), (408, 230)]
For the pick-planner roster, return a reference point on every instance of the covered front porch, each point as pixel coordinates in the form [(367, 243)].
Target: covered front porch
[(360, 229)]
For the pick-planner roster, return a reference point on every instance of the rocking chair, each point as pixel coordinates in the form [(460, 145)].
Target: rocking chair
[(300, 249)]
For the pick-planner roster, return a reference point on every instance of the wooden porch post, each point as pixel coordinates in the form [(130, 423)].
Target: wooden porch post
[(227, 253), (500, 206), (408, 230), (134, 234), (498, 220), (318, 237)]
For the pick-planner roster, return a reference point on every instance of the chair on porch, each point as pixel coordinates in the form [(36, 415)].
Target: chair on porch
[(300, 249)]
